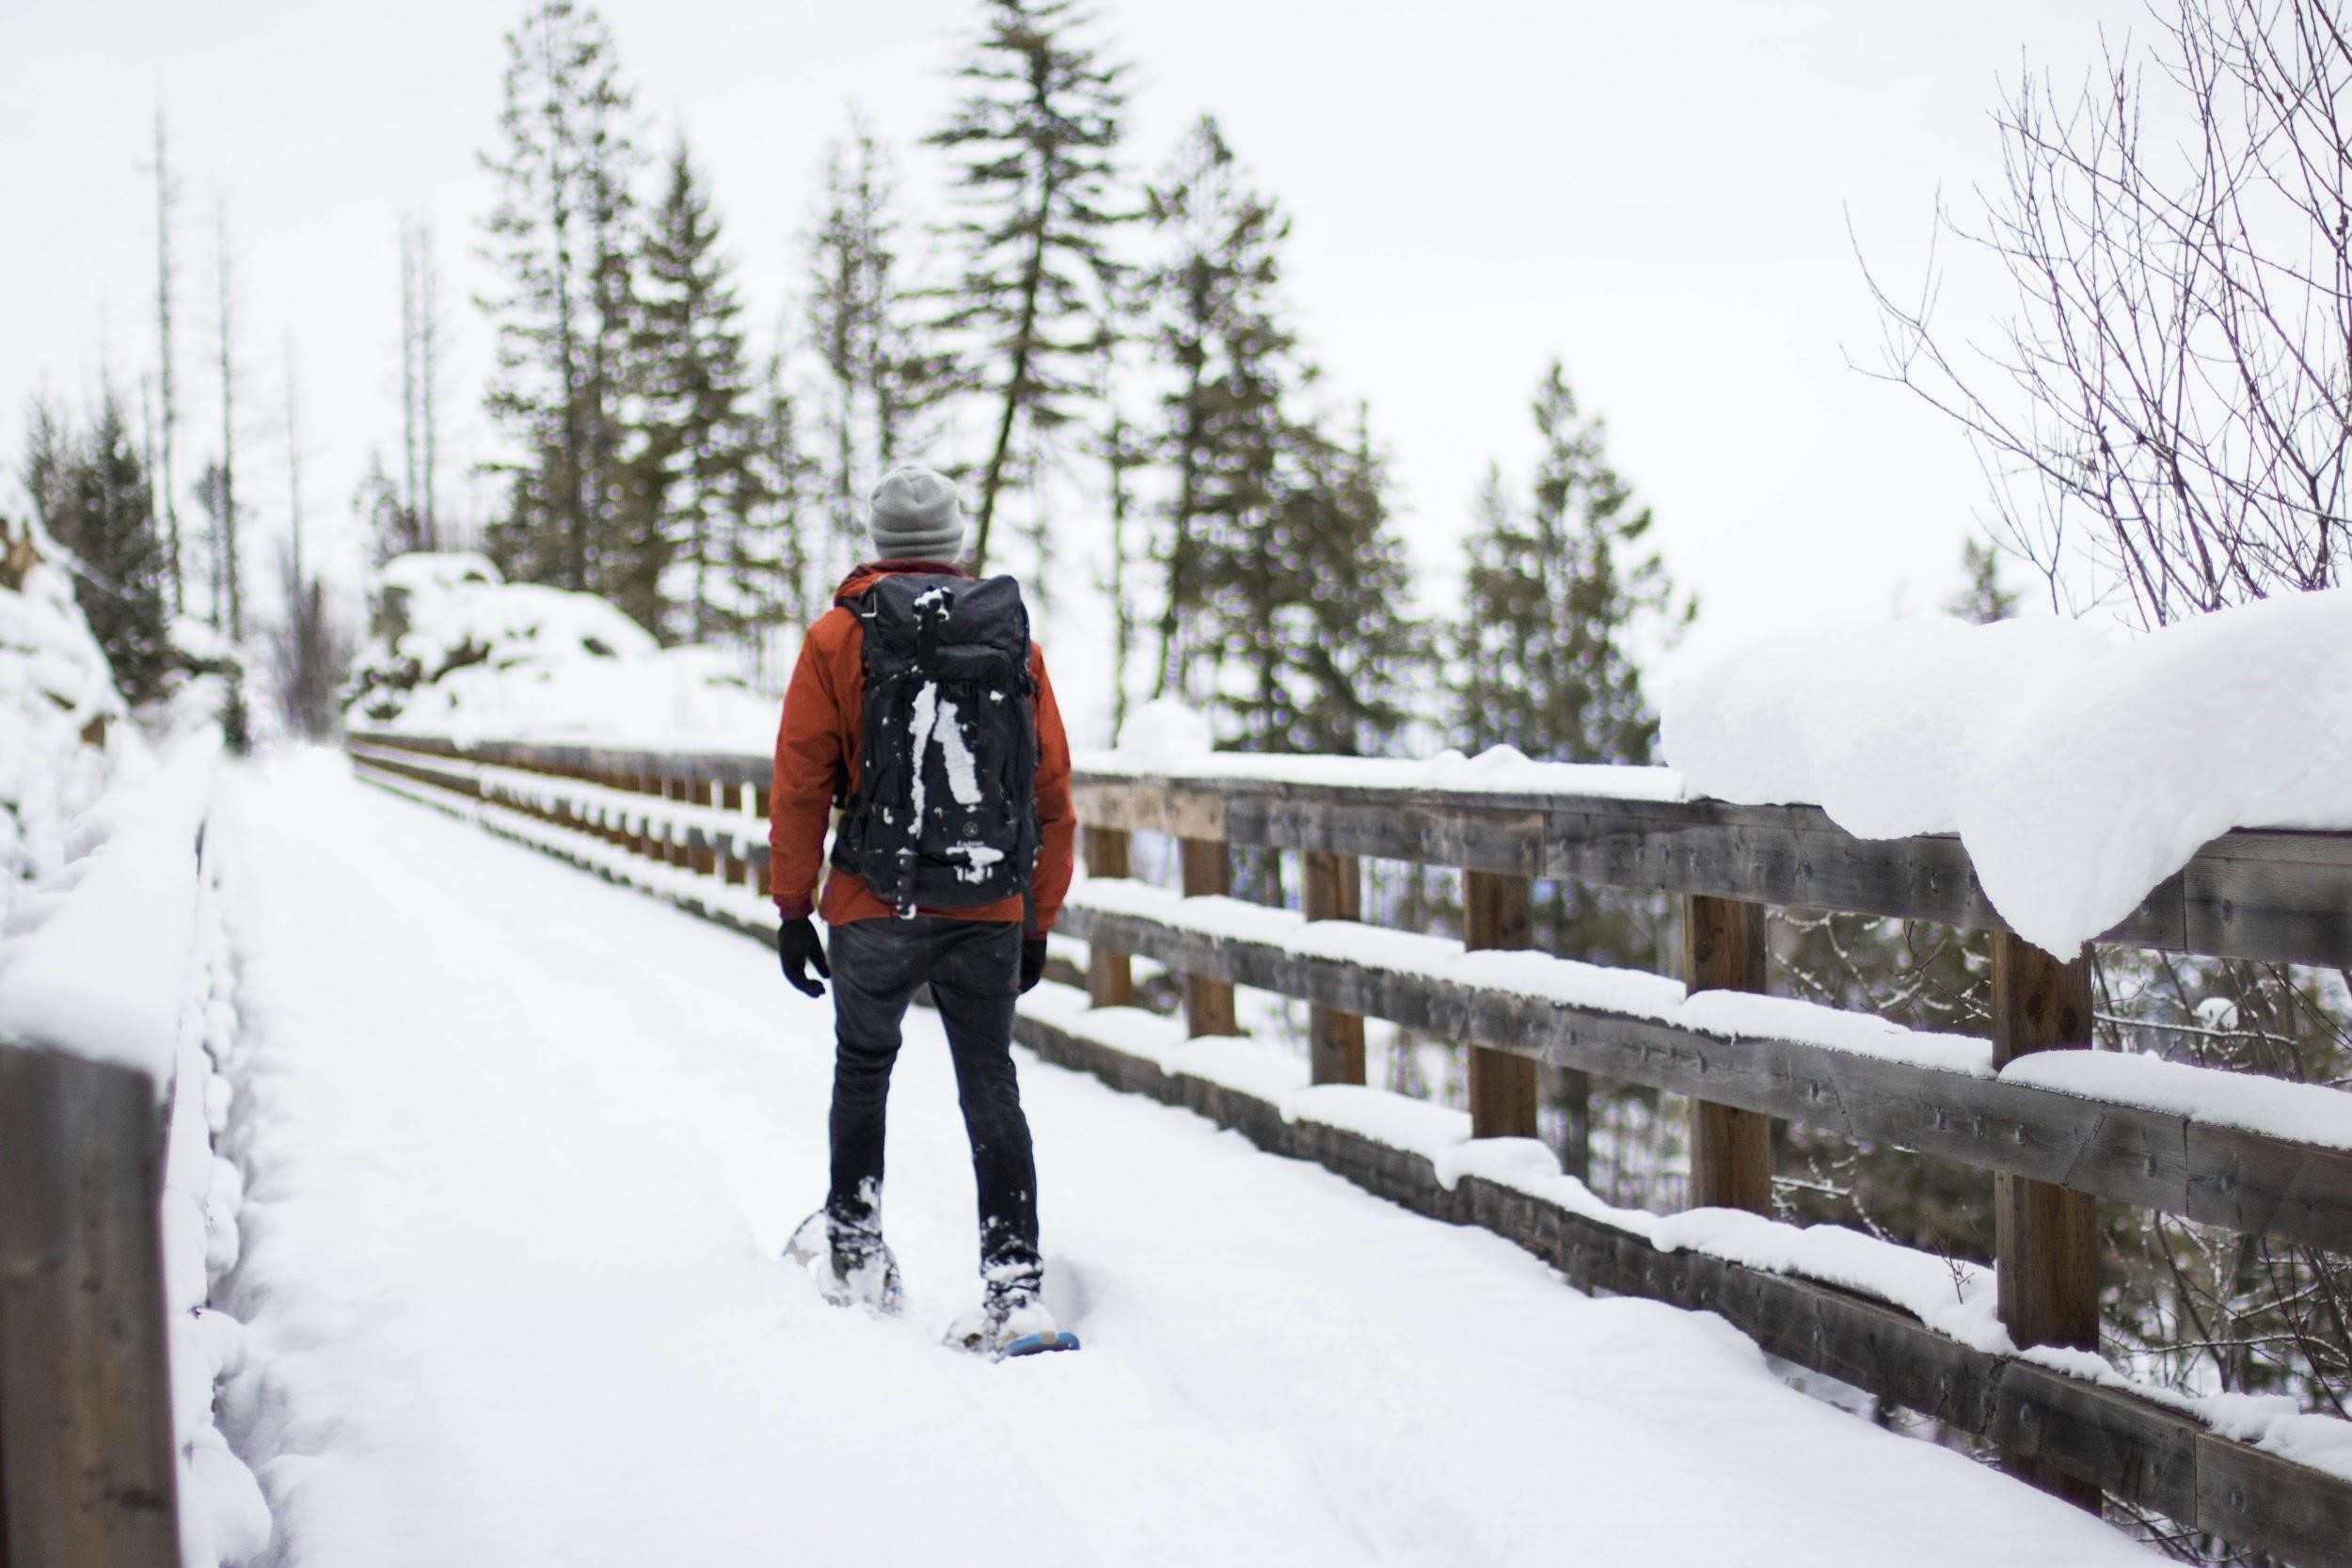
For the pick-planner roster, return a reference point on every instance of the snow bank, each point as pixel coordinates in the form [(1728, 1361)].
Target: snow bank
[(99, 961), (455, 652), (2079, 773), (61, 735)]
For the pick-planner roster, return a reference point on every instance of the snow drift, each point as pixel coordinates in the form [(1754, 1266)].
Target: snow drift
[(456, 651), (2079, 773)]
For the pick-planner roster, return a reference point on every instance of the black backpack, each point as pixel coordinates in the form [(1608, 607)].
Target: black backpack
[(944, 810)]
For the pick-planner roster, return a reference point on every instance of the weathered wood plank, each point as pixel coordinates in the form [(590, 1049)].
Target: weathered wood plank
[(2268, 894), (2274, 894), (1334, 890), (1498, 910), (2260, 1501), (2115, 1151), (1110, 974), (1725, 947), (1207, 869), (2081, 1440), (88, 1466)]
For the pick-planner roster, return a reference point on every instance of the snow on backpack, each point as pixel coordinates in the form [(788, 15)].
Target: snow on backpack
[(944, 810)]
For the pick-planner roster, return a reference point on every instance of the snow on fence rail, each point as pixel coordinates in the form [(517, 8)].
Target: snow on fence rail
[(115, 1214), (2010, 1358)]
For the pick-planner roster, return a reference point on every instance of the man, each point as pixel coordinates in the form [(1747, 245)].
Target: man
[(963, 796)]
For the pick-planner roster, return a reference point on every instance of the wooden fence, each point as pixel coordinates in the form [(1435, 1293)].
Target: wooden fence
[(2052, 1155)]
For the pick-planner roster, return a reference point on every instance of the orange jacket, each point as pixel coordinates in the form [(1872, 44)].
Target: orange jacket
[(817, 761)]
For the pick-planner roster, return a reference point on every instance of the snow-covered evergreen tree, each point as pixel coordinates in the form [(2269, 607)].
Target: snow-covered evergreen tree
[(1035, 138), (92, 493)]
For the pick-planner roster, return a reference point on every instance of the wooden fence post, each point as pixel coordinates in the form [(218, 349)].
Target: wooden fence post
[(639, 844), (674, 840), (1110, 976), (705, 793), (2045, 1238), (1498, 910), (1725, 948), (1208, 1002), (1335, 1040), (89, 1465)]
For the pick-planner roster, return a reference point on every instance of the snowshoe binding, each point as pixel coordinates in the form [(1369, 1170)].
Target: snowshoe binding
[(1009, 1322), (850, 1267)]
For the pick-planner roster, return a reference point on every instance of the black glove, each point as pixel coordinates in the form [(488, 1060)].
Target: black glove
[(1032, 961), (797, 947)]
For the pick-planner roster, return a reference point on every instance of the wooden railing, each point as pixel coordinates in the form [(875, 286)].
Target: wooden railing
[(2055, 1138), (90, 1004)]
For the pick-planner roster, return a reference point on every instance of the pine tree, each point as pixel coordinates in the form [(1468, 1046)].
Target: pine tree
[(1212, 313), (1353, 651), (773, 568), (420, 379), (1983, 599), (1557, 598), (1035, 135), (1122, 451), (561, 231), (167, 383), (1558, 594), (391, 528), (882, 380), (310, 649), (94, 494), (219, 483), (692, 482)]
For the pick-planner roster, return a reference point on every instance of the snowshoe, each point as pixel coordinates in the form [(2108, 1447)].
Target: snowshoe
[(849, 1270), (1009, 1324)]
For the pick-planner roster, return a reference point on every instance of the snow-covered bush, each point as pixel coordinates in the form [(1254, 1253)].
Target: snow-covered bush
[(455, 650), (61, 733)]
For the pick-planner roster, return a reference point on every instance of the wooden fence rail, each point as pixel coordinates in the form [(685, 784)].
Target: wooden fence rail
[(2278, 895), (2270, 895)]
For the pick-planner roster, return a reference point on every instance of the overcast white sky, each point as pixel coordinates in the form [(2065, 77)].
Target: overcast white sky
[(1659, 194)]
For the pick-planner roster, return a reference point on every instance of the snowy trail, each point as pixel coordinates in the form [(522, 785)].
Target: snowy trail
[(522, 1147)]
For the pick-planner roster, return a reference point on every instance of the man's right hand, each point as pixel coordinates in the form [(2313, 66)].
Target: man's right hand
[(797, 947)]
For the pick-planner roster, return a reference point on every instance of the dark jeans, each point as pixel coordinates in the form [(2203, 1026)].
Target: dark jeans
[(973, 968)]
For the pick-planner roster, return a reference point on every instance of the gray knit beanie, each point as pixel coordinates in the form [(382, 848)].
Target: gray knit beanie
[(916, 516)]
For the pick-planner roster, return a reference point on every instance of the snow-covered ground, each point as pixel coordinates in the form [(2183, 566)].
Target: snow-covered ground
[(521, 1149)]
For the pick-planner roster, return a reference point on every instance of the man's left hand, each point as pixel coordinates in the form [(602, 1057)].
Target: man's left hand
[(1032, 961)]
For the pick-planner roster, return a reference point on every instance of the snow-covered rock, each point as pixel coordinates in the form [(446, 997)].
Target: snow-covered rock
[(457, 652), (2079, 773)]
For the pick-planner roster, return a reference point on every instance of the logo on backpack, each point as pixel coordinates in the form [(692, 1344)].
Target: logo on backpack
[(944, 809)]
